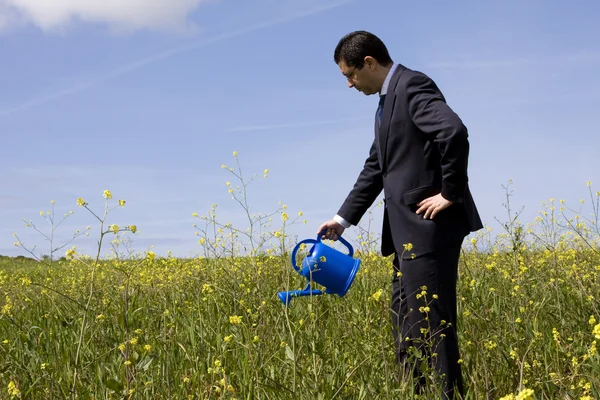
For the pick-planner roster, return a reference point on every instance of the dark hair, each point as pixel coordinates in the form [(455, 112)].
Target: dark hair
[(355, 46)]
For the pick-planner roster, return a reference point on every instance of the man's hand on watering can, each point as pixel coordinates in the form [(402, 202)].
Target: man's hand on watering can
[(331, 230)]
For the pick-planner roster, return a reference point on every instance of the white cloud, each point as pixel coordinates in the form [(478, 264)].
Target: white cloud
[(119, 15)]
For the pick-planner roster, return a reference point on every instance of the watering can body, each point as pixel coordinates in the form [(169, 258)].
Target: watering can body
[(326, 266)]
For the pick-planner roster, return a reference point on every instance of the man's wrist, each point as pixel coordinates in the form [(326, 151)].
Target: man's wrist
[(342, 221)]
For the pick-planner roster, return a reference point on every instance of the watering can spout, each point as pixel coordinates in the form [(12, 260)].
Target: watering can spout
[(286, 297)]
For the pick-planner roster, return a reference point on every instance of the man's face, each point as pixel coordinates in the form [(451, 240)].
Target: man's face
[(360, 79)]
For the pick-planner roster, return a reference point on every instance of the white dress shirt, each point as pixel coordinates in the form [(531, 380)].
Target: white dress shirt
[(383, 91)]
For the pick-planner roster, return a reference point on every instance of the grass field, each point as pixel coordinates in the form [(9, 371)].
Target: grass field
[(134, 325)]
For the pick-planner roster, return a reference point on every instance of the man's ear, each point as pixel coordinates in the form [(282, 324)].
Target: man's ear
[(370, 62)]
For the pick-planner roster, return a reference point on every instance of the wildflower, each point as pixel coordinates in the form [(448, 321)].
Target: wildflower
[(235, 153), (525, 394), (132, 228), (122, 203), (147, 347), (107, 194), (13, 391), (235, 319), (377, 295), (81, 202), (596, 331), (228, 339)]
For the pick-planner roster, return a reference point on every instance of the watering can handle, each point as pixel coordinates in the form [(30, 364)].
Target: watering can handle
[(344, 241), (305, 241)]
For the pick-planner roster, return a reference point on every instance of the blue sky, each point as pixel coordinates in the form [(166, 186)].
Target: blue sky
[(150, 101)]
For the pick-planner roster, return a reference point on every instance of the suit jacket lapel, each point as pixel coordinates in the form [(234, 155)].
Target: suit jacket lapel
[(388, 108)]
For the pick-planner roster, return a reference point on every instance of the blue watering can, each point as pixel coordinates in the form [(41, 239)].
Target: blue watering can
[(326, 266)]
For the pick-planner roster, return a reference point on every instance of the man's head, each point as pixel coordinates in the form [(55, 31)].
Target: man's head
[(364, 61)]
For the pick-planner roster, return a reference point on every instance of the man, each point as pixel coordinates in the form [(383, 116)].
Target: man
[(419, 159)]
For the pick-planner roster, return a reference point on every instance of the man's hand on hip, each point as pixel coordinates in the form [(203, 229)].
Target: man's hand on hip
[(433, 205), (331, 230)]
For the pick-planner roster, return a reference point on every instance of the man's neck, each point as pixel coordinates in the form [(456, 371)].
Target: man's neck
[(386, 75)]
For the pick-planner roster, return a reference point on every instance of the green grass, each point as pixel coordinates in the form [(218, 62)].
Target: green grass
[(510, 305)]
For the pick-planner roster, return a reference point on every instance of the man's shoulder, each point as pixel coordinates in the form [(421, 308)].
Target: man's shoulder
[(413, 79), (409, 75)]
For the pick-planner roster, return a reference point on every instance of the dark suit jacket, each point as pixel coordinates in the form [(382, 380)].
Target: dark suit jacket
[(420, 149)]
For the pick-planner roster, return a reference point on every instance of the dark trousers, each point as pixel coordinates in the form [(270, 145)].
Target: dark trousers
[(439, 345)]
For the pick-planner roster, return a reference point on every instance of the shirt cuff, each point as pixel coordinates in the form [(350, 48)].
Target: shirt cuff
[(342, 221)]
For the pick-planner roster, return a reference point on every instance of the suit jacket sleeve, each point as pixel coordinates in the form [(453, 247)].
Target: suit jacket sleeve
[(366, 189), (431, 114)]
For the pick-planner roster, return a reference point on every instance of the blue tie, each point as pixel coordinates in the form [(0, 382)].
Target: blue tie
[(380, 108)]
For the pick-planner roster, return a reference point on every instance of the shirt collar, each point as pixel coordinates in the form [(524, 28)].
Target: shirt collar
[(386, 83)]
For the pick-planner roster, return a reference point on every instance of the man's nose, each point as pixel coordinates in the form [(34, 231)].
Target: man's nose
[(350, 84)]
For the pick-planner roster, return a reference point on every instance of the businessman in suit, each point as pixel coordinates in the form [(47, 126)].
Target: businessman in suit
[(419, 159)]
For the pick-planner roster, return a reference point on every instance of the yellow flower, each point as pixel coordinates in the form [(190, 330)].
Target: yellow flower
[(377, 295), (13, 391), (107, 194), (122, 203), (596, 332), (235, 153), (81, 202), (132, 228), (70, 253), (228, 338), (508, 397), (525, 394), (235, 319)]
